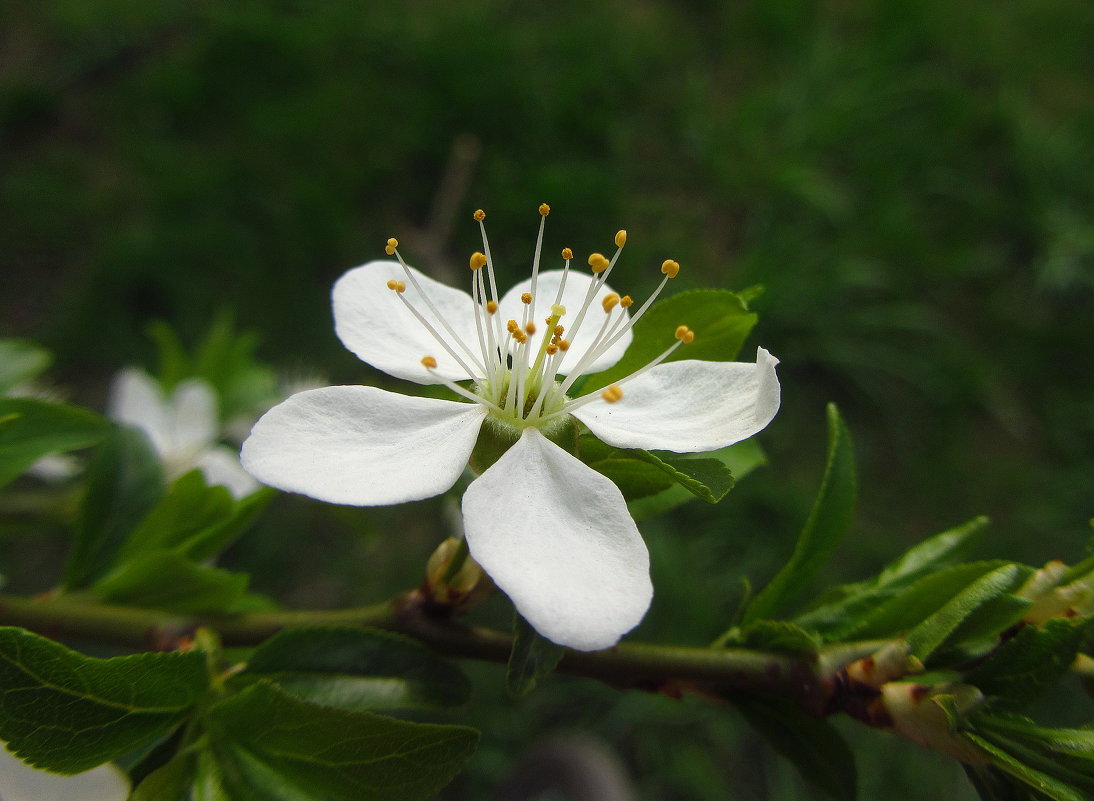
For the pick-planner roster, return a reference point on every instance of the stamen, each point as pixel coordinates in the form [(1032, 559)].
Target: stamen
[(598, 262), (551, 349), (530, 328), (626, 301), (564, 344), (609, 302), (567, 254), (544, 209), (612, 394), (670, 268), (429, 362), (478, 260), (452, 385), (620, 238), (396, 286), (526, 298), (491, 306), (389, 248), (684, 334), (479, 215)]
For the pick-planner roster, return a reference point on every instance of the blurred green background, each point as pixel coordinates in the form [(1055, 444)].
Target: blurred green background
[(913, 184)]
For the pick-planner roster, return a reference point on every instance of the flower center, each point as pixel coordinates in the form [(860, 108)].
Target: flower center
[(515, 366)]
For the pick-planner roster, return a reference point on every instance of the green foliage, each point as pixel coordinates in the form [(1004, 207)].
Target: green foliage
[(20, 361), (720, 319), (827, 525), (812, 744), (532, 658), (170, 581), (125, 481), (270, 745), (356, 669), (67, 713), (31, 429)]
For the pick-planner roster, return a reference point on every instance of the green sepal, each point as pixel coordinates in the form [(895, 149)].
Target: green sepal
[(31, 429), (66, 712), (720, 319), (356, 669), (826, 527), (272, 746), (125, 481), (533, 657)]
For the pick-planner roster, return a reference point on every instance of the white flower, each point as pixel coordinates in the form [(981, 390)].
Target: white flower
[(21, 782), (182, 427), (553, 533)]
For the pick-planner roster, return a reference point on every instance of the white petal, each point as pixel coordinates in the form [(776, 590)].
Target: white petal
[(137, 400), (689, 406), (372, 322), (20, 782), (556, 537), (577, 287), (221, 466), (362, 446), (193, 422)]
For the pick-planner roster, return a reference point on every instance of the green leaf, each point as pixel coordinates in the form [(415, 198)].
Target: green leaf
[(357, 669), (1041, 781), (125, 480), (812, 744), (828, 523), (170, 581), (1031, 662), (841, 607), (773, 635), (740, 460), (31, 429), (933, 631), (271, 746), (195, 520), (720, 319), (66, 712), (170, 782), (634, 477), (707, 479), (532, 658), (20, 361), (918, 601)]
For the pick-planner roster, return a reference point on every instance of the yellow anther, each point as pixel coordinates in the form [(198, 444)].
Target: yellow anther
[(670, 268), (478, 260), (560, 330), (612, 394), (430, 362), (526, 298), (567, 254), (626, 301), (389, 248), (551, 350), (558, 310), (620, 238), (609, 301), (491, 306), (530, 328), (564, 344), (396, 286), (544, 209), (598, 262), (684, 334), (479, 215), (511, 326)]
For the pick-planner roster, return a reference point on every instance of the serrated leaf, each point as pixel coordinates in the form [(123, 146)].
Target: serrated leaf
[(358, 669), (933, 631), (66, 712), (20, 361), (740, 460), (125, 480), (812, 744), (706, 479), (828, 523), (170, 581), (32, 429), (272, 746), (720, 319), (635, 478), (1031, 662), (840, 607), (916, 602), (532, 658)]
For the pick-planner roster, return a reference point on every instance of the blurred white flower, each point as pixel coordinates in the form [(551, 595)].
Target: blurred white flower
[(182, 427), (21, 782), (554, 534)]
